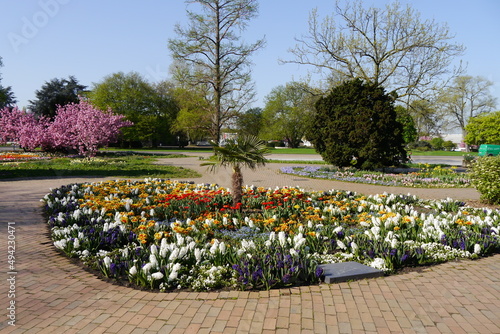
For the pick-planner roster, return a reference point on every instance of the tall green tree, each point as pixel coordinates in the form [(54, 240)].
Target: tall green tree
[(391, 47), (54, 93), (409, 130), (288, 113), (151, 107), (7, 98), (355, 125), (245, 151), (483, 129), (250, 122), (466, 97), (192, 121), (209, 54)]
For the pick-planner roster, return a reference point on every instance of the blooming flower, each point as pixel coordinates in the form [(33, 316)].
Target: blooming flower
[(341, 244), (174, 226), (157, 276), (354, 247), (132, 271), (378, 263), (107, 261)]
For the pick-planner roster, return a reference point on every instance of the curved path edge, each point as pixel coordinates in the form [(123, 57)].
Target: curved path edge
[(53, 295)]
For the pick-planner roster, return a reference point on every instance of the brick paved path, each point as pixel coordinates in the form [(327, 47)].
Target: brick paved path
[(55, 296)]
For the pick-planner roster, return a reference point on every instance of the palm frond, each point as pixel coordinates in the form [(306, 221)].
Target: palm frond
[(248, 151)]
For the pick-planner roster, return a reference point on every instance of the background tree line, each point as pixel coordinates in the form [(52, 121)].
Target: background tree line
[(210, 90)]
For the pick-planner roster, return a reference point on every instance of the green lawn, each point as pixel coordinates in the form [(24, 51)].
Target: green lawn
[(442, 153), (301, 150), (304, 150), (159, 150), (136, 166)]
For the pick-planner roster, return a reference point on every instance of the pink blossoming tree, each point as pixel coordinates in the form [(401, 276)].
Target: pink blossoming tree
[(77, 126), (23, 128), (82, 127)]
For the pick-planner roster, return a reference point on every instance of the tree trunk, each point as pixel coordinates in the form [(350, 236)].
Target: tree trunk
[(237, 182)]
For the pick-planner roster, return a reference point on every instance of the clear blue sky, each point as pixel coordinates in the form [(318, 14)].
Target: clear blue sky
[(46, 39)]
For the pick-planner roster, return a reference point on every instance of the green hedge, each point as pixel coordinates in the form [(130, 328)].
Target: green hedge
[(485, 176)]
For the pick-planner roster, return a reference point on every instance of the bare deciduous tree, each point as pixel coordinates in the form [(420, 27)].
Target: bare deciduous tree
[(214, 57), (466, 97), (389, 47)]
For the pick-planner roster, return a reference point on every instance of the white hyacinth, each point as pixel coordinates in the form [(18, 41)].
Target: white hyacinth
[(107, 262), (376, 232), (247, 244), (341, 244), (354, 247), (378, 263), (157, 276), (132, 271), (298, 240), (146, 268), (180, 239), (174, 255), (222, 248), (214, 247), (174, 273), (153, 261), (198, 253), (183, 251), (61, 244), (77, 214), (282, 238)]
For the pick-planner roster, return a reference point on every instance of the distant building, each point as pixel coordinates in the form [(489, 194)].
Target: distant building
[(457, 139)]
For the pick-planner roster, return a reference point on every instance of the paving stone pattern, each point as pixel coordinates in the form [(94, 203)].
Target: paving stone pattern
[(54, 295)]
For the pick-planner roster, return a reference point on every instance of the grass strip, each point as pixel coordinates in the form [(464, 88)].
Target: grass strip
[(137, 166)]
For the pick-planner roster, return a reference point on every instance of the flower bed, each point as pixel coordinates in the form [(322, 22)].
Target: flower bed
[(25, 156), (426, 177), (168, 235)]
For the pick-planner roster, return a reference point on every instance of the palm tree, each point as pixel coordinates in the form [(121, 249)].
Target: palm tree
[(246, 151)]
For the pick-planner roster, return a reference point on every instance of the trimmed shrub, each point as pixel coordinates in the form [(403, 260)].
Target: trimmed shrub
[(356, 125), (421, 145), (437, 143), (485, 176)]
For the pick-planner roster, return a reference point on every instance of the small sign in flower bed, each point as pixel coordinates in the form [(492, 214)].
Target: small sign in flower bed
[(25, 156), (424, 177), (166, 235)]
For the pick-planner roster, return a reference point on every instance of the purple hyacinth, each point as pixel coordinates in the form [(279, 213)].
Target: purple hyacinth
[(286, 278)]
